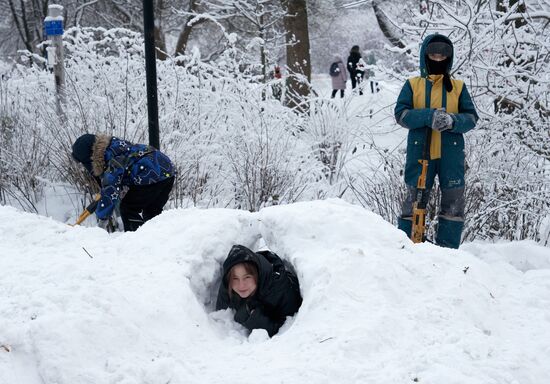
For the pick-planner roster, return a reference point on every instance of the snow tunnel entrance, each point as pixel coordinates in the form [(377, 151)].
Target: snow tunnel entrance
[(264, 293)]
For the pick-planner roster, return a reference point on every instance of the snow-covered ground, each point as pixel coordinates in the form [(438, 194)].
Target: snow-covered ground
[(78, 305)]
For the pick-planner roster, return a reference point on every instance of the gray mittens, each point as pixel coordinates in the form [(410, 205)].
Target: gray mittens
[(441, 120)]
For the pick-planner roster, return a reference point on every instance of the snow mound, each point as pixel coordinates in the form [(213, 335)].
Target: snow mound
[(78, 305)]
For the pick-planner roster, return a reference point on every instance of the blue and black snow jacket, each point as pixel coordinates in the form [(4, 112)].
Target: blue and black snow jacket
[(119, 163)]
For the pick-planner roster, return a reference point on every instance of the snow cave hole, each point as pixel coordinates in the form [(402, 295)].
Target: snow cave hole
[(206, 279)]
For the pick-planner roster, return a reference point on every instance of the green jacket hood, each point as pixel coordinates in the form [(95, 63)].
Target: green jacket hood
[(428, 40)]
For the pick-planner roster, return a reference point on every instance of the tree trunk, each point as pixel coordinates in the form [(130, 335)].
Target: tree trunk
[(160, 43), (385, 26), (183, 37), (297, 54), (21, 25)]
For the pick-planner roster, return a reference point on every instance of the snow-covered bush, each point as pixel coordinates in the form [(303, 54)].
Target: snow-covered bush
[(380, 188), (24, 155), (232, 145)]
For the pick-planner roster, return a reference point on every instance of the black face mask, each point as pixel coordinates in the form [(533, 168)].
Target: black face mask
[(437, 67)]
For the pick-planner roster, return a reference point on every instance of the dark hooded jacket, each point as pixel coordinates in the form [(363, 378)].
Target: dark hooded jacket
[(277, 293), (353, 59)]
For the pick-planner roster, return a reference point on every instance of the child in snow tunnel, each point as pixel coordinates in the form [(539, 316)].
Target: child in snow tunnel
[(147, 173), (258, 286), (437, 110)]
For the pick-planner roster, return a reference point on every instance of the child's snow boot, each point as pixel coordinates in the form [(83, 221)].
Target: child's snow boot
[(449, 232), (405, 224)]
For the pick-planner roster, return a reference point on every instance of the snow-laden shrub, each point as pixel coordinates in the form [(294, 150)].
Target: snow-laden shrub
[(330, 130), (232, 145), (508, 193), (24, 155)]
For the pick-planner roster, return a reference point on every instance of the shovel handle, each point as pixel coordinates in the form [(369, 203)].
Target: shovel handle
[(88, 211)]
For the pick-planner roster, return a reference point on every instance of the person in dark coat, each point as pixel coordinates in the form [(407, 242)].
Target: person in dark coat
[(340, 79), (355, 73), (259, 288), (277, 87), (435, 104), (145, 174), (369, 72)]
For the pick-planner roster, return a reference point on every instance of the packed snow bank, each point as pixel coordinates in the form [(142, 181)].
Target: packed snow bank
[(78, 305)]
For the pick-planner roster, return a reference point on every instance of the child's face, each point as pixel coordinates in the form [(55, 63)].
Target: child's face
[(437, 56), (242, 282)]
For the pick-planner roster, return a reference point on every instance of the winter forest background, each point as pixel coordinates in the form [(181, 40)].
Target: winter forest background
[(237, 146)]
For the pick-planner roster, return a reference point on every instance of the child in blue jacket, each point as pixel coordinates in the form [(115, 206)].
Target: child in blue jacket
[(434, 104), (147, 174)]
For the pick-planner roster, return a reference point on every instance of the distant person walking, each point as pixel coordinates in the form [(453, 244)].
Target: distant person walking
[(338, 76), (356, 73), (277, 88), (370, 61)]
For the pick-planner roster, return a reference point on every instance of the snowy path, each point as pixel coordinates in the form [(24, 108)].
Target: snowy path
[(376, 307)]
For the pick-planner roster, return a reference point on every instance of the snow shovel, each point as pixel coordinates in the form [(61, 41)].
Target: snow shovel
[(88, 211), (420, 203)]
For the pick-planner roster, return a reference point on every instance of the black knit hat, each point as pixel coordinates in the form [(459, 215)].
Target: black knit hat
[(82, 150)]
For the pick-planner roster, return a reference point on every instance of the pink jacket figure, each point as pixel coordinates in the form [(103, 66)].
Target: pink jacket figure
[(339, 77)]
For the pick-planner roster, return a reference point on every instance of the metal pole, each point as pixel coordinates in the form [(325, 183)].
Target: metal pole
[(151, 70), (53, 27)]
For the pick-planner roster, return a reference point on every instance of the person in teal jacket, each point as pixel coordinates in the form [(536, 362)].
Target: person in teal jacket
[(437, 105)]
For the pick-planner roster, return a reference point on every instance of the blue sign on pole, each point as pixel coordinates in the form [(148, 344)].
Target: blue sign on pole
[(53, 27)]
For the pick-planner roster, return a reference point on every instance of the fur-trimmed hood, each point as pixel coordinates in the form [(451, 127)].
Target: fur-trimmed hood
[(98, 153)]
